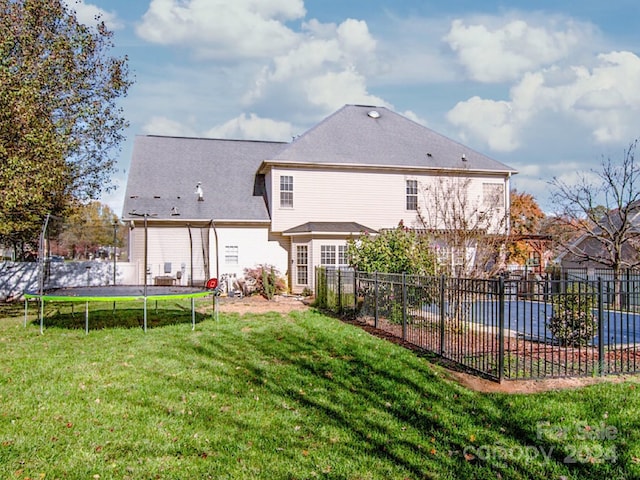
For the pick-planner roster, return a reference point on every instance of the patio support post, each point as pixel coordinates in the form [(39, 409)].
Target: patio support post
[(601, 363), (501, 329)]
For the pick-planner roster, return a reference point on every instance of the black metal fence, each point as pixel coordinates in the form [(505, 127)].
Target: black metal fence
[(504, 329)]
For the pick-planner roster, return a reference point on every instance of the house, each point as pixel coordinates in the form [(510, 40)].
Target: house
[(616, 234), (214, 207)]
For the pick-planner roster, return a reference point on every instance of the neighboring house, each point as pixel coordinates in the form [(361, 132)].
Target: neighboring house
[(596, 249), (291, 205)]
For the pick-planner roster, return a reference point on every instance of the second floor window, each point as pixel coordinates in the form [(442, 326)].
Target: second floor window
[(492, 195), (286, 191), (412, 195)]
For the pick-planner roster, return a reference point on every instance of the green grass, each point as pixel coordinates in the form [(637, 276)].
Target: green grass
[(275, 396)]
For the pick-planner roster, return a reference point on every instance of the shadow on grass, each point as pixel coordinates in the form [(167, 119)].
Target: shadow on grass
[(118, 317), (13, 309), (394, 408)]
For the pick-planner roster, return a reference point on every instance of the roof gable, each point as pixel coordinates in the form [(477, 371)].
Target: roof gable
[(375, 136)]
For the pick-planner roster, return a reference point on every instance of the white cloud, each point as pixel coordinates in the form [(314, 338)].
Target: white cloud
[(326, 70), (316, 69), (413, 116), (87, 13), (506, 51), (252, 127), (488, 120), (223, 29), (604, 99), (159, 125), (332, 90)]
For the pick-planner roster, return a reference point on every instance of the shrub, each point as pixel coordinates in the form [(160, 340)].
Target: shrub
[(266, 280), (392, 251), (573, 322)]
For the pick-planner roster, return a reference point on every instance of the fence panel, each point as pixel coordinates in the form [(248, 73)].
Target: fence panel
[(504, 329)]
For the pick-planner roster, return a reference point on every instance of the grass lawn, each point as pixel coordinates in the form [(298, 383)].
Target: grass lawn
[(274, 396)]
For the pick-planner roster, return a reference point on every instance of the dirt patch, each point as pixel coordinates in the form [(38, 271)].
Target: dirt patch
[(259, 304), (533, 386)]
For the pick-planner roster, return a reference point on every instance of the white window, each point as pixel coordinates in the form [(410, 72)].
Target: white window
[(327, 254), (286, 191), (302, 265), (412, 195), (492, 195), (231, 254), (342, 255)]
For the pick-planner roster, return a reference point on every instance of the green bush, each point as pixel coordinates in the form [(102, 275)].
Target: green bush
[(573, 322), (392, 251)]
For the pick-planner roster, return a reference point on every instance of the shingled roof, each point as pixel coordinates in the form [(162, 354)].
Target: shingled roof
[(328, 228), (165, 172), (358, 135)]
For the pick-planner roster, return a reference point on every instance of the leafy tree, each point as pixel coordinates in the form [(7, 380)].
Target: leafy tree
[(392, 251), (60, 125), (525, 217), (88, 232), (613, 239)]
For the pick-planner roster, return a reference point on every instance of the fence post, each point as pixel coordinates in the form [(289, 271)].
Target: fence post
[(339, 291), (501, 329), (355, 293), (601, 363), (375, 299), (404, 306), (442, 313)]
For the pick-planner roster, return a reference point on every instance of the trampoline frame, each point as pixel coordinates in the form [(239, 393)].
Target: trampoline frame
[(171, 293), (145, 295)]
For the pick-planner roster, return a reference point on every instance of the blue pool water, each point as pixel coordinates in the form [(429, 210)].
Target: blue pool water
[(529, 319)]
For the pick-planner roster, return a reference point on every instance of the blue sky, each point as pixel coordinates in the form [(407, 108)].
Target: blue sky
[(549, 88)]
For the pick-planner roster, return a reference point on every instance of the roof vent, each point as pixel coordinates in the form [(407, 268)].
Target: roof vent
[(374, 114), (464, 157), (199, 192)]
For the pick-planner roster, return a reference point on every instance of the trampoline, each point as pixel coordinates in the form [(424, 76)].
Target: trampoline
[(118, 293)]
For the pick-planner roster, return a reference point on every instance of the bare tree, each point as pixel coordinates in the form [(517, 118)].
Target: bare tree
[(611, 239), (468, 226)]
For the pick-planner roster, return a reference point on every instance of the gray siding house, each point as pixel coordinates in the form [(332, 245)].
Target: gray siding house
[(215, 207)]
